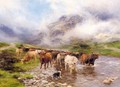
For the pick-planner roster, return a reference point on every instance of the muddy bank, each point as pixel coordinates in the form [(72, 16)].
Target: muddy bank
[(85, 76)]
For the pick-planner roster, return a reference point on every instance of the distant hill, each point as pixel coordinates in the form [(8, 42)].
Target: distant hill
[(7, 34), (7, 31), (57, 30), (61, 32)]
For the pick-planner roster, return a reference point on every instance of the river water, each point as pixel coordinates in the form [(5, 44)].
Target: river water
[(94, 76)]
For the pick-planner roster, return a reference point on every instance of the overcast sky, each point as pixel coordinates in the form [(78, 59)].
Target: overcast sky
[(101, 15)]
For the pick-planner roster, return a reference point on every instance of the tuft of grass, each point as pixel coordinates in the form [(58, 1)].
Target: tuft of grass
[(21, 76), (3, 44), (108, 52), (27, 66), (6, 80), (26, 76)]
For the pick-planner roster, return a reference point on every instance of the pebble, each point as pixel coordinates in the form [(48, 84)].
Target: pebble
[(44, 81)]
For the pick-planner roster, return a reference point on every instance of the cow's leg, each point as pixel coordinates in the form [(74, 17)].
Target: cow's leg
[(47, 64), (75, 69), (41, 63), (41, 66), (71, 71), (35, 58), (50, 63), (44, 65), (66, 66)]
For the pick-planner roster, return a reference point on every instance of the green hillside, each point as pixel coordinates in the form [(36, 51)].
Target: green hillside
[(3, 44)]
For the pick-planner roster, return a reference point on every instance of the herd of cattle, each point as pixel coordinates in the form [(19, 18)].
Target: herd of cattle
[(51, 57)]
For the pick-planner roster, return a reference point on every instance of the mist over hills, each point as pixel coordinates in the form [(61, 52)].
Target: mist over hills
[(8, 34), (70, 27), (64, 30), (59, 22)]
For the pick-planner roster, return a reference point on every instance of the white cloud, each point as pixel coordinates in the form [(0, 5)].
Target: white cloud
[(15, 13), (91, 10)]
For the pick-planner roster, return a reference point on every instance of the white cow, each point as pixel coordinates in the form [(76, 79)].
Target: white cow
[(70, 63), (60, 58)]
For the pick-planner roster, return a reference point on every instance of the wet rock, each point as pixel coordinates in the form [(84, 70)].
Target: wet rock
[(59, 84), (64, 84), (44, 81), (49, 85), (69, 86), (52, 83), (109, 80)]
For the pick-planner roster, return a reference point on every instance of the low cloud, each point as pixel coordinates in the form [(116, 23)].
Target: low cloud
[(101, 19)]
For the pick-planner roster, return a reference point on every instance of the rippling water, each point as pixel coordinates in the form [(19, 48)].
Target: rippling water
[(93, 76)]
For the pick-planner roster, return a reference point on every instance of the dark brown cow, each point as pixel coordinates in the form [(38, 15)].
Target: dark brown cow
[(88, 59), (54, 55)]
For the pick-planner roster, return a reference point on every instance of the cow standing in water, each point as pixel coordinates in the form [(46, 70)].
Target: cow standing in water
[(88, 59), (54, 55), (60, 58), (46, 59), (70, 63)]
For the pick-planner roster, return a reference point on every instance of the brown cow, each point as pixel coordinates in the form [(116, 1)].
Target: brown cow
[(45, 58), (28, 56), (54, 55), (88, 59), (83, 57)]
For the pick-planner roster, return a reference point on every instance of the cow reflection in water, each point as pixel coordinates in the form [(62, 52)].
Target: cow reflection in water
[(88, 70)]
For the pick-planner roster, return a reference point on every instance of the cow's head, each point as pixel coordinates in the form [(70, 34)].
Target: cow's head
[(95, 56)]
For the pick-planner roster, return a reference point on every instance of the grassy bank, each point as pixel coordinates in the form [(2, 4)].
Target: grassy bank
[(3, 44), (95, 47), (13, 77), (108, 52), (115, 44), (7, 80)]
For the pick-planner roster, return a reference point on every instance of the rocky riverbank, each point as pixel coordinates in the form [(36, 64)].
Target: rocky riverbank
[(40, 79), (105, 73)]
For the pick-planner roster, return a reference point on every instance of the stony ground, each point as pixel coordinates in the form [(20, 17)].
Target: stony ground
[(40, 79)]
